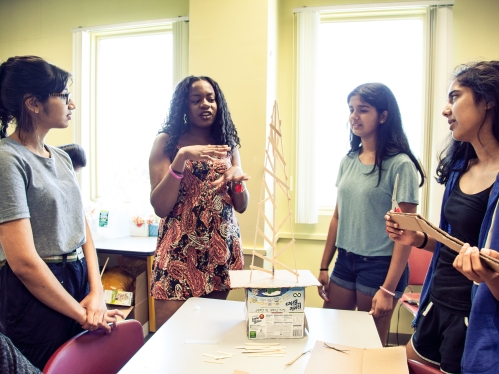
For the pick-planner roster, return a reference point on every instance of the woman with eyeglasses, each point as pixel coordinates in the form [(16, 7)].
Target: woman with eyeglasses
[(197, 185), (50, 285)]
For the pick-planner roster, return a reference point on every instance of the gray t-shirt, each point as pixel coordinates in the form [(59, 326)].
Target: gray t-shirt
[(362, 205), (44, 190)]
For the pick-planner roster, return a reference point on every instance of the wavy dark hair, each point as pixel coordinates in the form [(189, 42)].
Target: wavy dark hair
[(390, 136), (223, 130), (21, 78), (483, 79)]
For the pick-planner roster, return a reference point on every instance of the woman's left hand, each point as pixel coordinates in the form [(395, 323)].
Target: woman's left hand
[(233, 174), (382, 304), (468, 262), (96, 310)]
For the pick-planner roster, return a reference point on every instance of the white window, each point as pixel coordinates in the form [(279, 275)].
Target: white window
[(389, 51), (341, 47), (124, 76), (133, 91)]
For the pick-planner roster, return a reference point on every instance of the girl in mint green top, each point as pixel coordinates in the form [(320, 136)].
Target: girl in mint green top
[(370, 272)]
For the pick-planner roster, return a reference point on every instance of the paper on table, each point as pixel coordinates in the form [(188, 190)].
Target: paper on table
[(357, 361), (416, 222)]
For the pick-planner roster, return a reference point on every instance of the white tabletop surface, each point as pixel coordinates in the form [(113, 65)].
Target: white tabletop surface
[(208, 325), (134, 245)]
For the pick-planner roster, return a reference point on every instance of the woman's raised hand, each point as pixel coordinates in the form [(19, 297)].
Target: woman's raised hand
[(405, 237), (203, 152), (233, 174)]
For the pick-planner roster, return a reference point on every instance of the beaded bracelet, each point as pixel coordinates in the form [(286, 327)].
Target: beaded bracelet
[(238, 187), (324, 269), (388, 292), (425, 241), (175, 174)]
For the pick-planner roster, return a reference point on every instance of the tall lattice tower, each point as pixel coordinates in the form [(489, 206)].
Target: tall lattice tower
[(274, 166)]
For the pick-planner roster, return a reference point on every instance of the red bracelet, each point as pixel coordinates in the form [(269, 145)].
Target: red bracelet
[(238, 187), (175, 174)]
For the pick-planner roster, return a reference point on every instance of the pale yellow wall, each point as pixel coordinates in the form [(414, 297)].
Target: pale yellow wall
[(229, 41), (221, 46)]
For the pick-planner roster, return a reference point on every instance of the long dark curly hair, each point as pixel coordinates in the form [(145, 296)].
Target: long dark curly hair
[(483, 79), (390, 137), (223, 130)]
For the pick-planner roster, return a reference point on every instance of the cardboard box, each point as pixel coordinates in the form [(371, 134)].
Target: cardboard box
[(140, 312), (275, 306), (141, 288), (357, 361), (118, 297), (139, 309)]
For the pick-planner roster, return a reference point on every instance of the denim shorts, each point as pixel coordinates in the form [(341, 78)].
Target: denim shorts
[(365, 273)]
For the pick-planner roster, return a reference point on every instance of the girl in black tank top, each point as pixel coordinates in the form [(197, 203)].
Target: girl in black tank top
[(451, 289)]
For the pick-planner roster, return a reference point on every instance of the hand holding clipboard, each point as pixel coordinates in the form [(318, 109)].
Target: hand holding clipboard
[(416, 222)]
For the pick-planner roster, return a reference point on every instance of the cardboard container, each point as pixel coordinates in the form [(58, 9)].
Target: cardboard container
[(140, 308), (140, 312), (139, 231), (358, 360), (118, 297), (275, 306)]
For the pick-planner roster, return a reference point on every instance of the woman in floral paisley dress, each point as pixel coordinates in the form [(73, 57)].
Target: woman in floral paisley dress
[(197, 184)]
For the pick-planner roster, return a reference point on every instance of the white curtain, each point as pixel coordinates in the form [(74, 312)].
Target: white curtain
[(307, 46), (440, 67), (180, 51)]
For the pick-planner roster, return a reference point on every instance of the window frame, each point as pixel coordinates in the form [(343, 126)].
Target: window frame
[(85, 44), (436, 78)]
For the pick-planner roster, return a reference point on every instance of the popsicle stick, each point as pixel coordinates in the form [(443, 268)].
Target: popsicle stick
[(225, 353), (214, 361)]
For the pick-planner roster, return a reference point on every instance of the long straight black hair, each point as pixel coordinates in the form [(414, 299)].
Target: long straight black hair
[(390, 136)]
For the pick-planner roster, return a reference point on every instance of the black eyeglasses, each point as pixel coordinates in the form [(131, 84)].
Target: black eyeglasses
[(66, 95)]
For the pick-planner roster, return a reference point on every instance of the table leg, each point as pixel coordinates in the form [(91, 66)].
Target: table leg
[(152, 314)]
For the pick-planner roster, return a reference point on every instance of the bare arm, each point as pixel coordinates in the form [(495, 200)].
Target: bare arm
[(382, 300), (408, 237), (328, 254), (235, 175), (17, 242), (93, 303), (164, 185)]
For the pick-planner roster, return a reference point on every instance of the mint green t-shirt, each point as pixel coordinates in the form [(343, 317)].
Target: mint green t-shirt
[(362, 205)]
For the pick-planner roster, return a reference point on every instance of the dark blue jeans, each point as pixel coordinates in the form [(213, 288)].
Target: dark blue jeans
[(35, 329)]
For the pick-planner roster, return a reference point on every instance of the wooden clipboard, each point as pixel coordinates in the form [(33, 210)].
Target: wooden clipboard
[(416, 222)]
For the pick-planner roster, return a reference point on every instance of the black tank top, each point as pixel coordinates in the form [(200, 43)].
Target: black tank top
[(451, 289)]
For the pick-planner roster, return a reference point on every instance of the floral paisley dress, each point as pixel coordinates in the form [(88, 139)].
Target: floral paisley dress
[(199, 241)]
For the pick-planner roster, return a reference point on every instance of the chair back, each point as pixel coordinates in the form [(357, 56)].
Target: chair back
[(416, 367), (97, 353), (419, 262)]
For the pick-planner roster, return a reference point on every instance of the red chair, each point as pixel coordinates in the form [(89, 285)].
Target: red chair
[(419, 261), (97, 353), (416, 367)]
